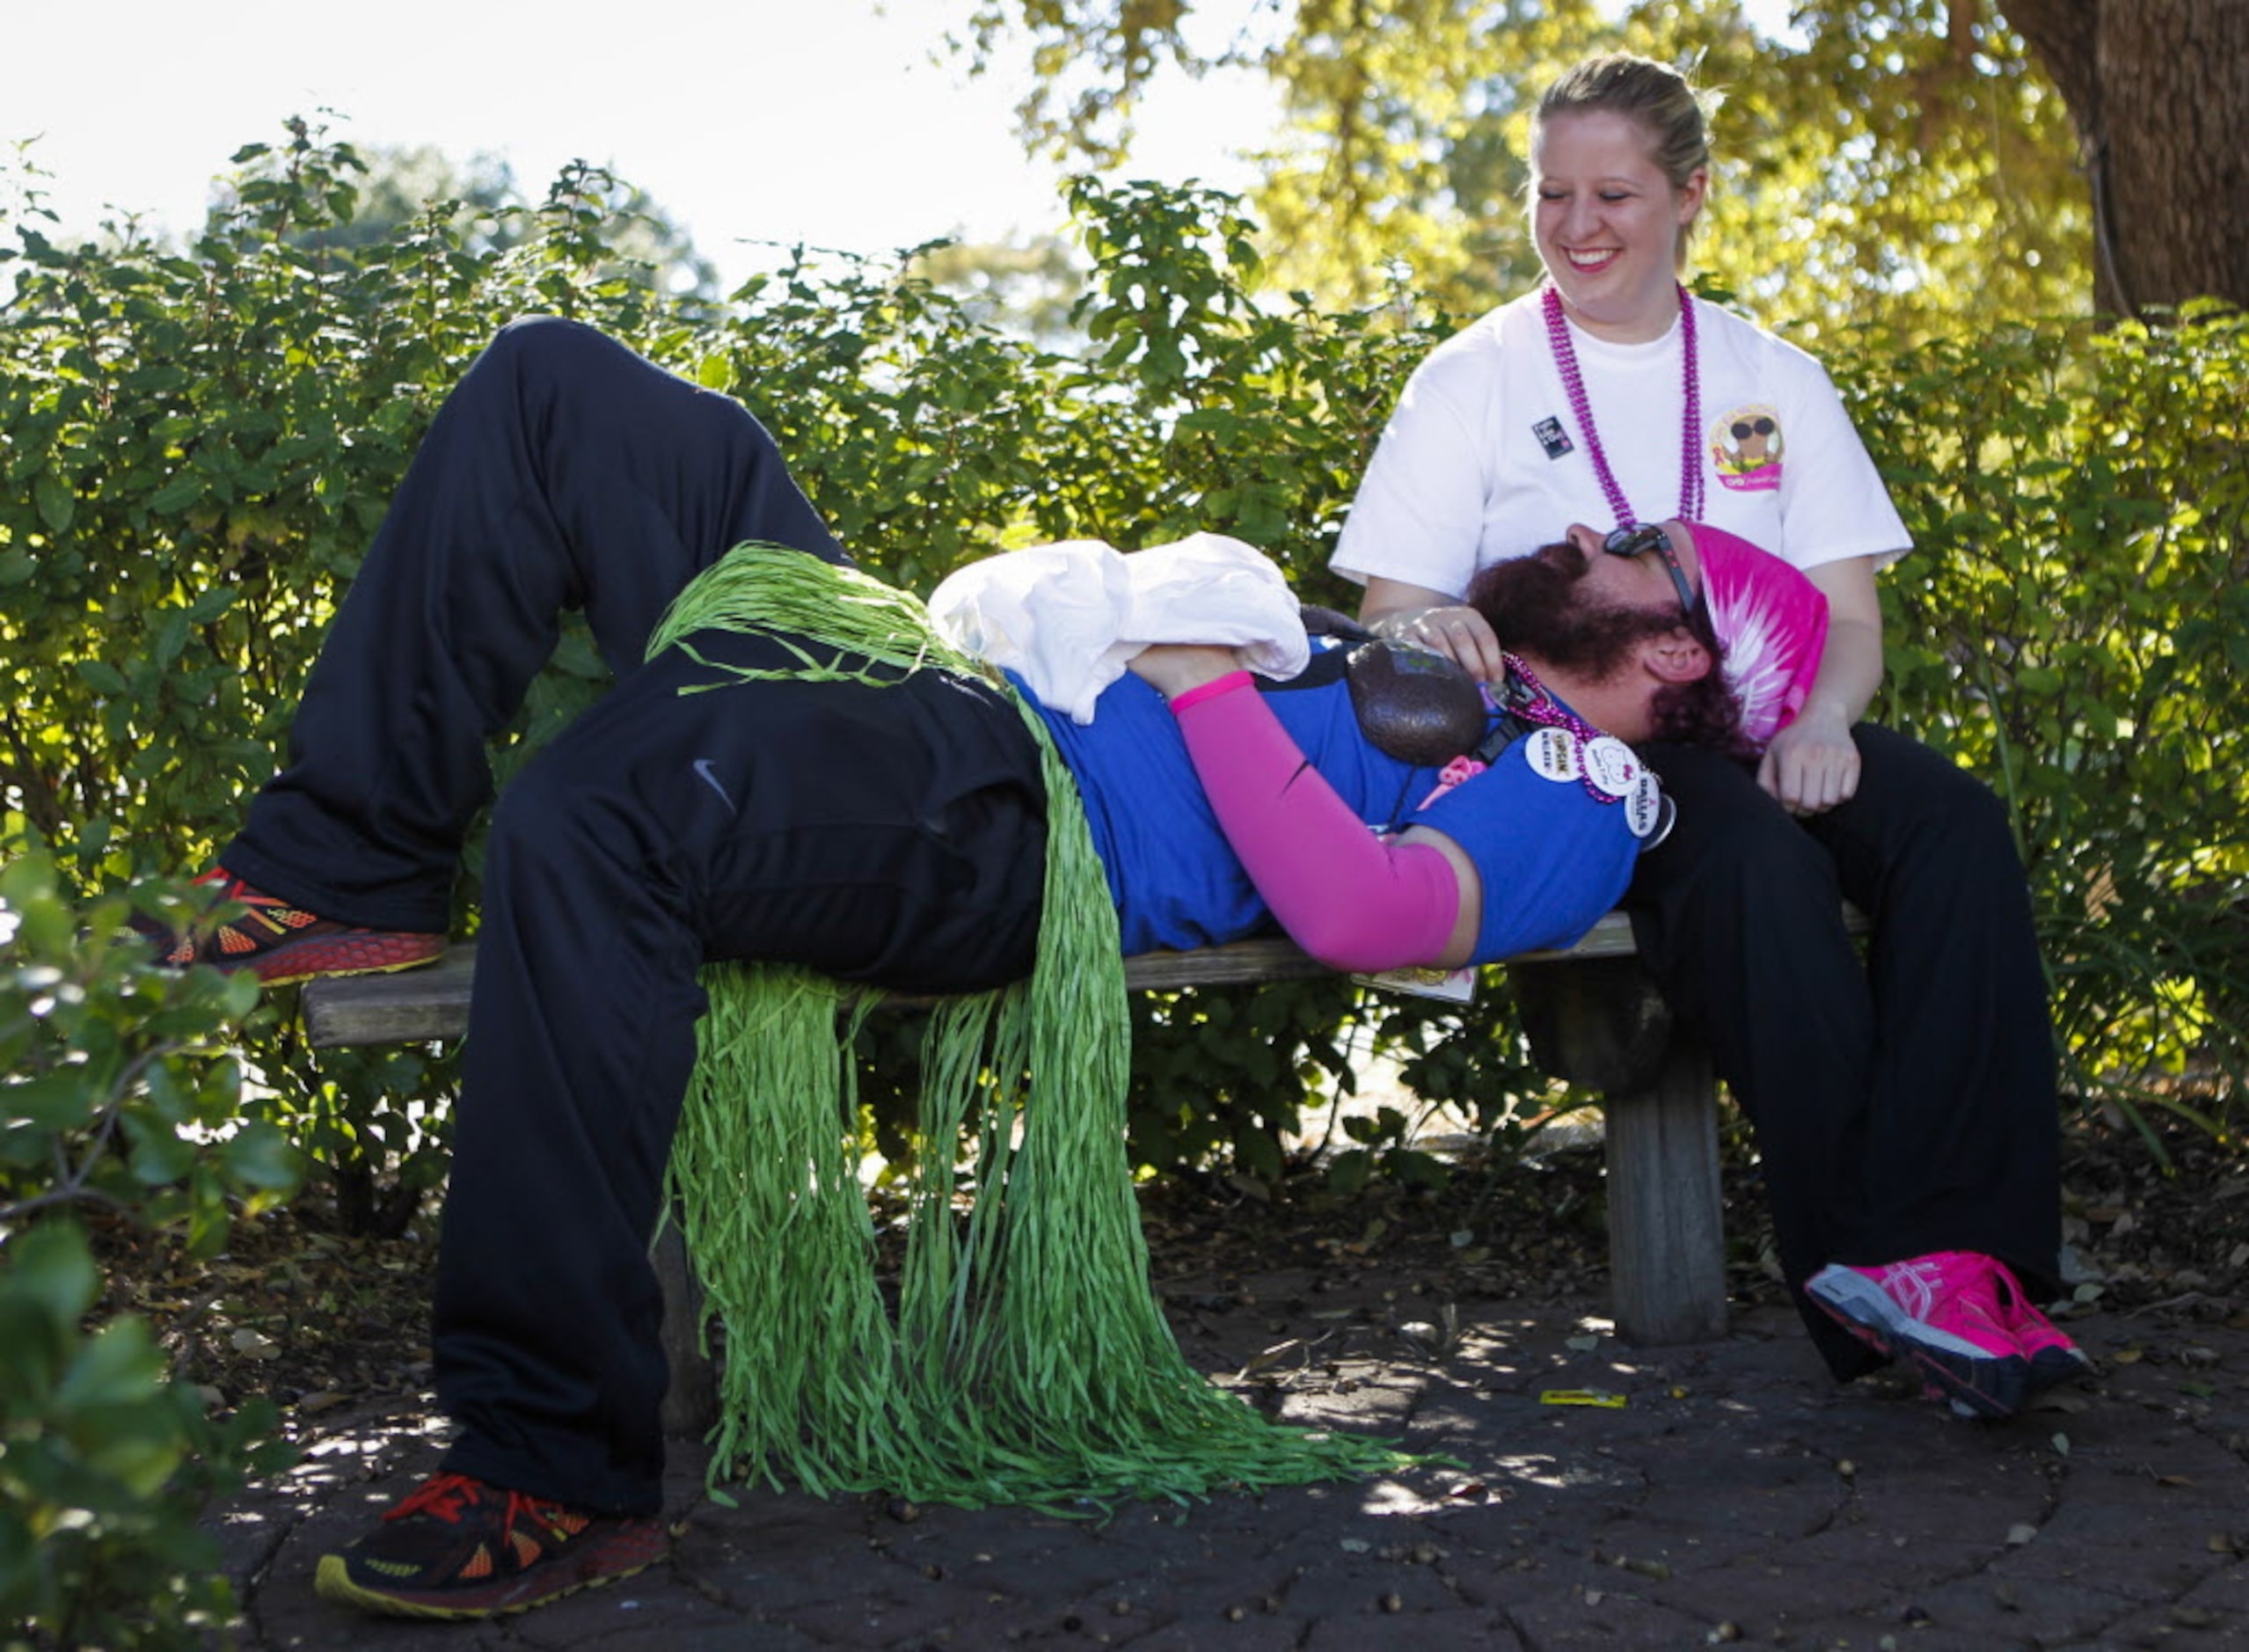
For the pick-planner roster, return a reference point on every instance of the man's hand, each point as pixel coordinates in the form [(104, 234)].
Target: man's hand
[(1173, 668), (1454, 630), (1812, 765)]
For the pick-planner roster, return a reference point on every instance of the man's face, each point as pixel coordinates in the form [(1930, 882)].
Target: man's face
[(1582, 611)]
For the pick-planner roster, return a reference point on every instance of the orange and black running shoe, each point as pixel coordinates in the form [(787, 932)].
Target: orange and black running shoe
[(281, 944), (455, 1547)]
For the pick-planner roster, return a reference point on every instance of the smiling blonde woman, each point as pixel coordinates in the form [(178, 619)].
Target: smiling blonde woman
[(1905, 1105)]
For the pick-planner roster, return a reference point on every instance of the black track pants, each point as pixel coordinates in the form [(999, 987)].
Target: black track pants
[(893, 834), (564, 471), (886, 834)]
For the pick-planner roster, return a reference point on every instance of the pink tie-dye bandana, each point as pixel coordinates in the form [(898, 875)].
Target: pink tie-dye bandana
[(1773, 622)]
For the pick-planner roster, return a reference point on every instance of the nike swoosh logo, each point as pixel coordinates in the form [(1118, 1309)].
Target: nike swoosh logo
[(703, 774)]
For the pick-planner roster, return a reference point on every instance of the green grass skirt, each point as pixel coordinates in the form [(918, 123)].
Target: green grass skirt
[(1026, 1360)]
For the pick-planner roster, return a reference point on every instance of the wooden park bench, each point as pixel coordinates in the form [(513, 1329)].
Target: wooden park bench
[(1594, 1020)]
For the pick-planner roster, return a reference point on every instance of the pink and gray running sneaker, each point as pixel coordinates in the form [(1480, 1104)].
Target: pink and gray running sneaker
[(1943, 1313)]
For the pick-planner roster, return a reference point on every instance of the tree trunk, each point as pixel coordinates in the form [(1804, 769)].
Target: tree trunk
[(2159, 92)]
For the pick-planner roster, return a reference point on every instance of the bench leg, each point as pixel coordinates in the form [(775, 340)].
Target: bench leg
[(1666, 1227), (692, 1402), (1600, 1023)]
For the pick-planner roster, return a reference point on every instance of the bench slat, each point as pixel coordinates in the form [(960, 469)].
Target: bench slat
[(431, 1003)]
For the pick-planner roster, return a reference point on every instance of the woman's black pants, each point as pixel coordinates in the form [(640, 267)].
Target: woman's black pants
[(1903, 1103)]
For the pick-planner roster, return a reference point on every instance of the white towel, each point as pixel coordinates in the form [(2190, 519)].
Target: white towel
[(1067, 617)]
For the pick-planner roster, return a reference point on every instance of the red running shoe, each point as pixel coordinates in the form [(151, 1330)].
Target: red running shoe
[(455, 1547), (281, 944)]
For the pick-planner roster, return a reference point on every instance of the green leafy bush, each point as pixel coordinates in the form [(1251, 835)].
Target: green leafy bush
[(122, 1103), (198, 447), (2074, 628)]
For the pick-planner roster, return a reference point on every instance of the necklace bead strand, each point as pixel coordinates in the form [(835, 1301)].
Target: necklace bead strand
[(1690, 470), (1531, 701)]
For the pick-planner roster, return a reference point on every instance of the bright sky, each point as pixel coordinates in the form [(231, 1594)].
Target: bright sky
[(748, 120)]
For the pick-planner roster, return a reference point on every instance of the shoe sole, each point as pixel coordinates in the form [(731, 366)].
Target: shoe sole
[(622, 1555), (2051, 1365), (1966, 1375), (336, 956)]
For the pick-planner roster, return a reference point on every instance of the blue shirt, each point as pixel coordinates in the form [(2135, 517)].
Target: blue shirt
[(1552, 859)]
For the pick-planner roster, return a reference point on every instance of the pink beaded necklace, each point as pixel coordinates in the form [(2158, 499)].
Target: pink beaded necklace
[(1525, 696), (1604, 764), (1690, 470), (1610, 770)]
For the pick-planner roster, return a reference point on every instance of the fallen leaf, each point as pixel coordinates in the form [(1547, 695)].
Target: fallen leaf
[(1272, 1356), (253, 1344)]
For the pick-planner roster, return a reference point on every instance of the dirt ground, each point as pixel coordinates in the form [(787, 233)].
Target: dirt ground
[(316, 1319), (1730, 1492)]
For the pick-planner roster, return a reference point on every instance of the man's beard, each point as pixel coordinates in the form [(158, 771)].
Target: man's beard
[(1535, 607)]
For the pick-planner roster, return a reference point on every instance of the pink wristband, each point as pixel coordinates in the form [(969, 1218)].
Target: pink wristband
[(1211, 690), (1350, 898)]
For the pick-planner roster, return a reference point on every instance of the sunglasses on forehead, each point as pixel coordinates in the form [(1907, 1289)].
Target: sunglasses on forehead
[(1638, 541)]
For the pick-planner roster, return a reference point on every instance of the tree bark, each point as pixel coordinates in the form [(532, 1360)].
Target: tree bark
[(2158, 93)]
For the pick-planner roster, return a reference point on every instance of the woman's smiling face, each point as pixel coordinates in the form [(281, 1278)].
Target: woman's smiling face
[(1608, 222)]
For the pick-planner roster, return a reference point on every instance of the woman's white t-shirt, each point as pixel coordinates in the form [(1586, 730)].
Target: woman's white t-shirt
[(1483, 459)]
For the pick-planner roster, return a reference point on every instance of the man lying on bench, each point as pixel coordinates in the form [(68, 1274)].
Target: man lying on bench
[(885, 824)]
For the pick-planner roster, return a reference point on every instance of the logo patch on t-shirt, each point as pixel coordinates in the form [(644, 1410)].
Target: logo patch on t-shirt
[(1745, 445), (1553, 437)]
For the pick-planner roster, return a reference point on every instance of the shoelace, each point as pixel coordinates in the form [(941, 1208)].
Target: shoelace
[(446, 1497), (2024, 1318), (1919, 1277), (270, 911), (1972, 1285)]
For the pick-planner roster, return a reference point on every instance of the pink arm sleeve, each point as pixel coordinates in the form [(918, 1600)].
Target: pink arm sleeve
[(1347, 897)]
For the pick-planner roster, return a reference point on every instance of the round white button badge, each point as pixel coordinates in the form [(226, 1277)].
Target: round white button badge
[(1555, 753), (1611, 766), (1644, 805)]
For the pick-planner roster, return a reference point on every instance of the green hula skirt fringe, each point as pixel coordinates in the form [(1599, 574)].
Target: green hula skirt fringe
[(1026, 1361)]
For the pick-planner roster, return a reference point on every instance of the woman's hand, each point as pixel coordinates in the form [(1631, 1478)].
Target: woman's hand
[(1435, 620), (1173, 668), (1455, 631), (1812, 765)]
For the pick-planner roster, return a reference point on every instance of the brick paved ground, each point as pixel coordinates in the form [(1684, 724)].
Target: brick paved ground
[(1737, 1494)]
